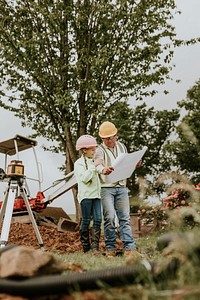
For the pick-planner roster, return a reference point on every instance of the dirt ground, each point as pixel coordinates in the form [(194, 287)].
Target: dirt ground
[(59, 242), (68, 242), (55, 241)]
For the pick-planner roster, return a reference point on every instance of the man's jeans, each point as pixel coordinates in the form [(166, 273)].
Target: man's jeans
[(91, 208), (115, 201)]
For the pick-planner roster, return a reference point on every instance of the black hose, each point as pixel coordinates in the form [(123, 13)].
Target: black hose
[(66, 284)]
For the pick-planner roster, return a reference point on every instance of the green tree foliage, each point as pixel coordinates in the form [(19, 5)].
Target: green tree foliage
[(185, 151), (65, 64)]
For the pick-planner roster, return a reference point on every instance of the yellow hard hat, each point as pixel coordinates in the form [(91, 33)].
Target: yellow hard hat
[(107, 129)]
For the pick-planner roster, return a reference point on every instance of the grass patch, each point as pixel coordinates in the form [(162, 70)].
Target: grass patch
[(146, 245), (182, 285), (93, 262)]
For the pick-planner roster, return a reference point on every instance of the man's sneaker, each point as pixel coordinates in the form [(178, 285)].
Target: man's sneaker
[(133, 253), (134, 257)]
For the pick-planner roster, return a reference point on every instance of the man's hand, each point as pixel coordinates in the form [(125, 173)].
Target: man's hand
[(108, 170)]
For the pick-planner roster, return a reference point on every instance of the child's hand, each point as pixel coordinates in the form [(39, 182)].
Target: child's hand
[(98, 161), (107, 171)]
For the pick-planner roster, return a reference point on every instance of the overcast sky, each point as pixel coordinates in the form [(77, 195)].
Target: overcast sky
[(186, 59), (187, 70)]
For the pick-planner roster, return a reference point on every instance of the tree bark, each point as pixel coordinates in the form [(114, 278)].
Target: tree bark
[(70, 159)]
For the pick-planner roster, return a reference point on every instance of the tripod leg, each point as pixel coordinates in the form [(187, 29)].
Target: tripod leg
[(8, 209), (3, 207), (40, 241)]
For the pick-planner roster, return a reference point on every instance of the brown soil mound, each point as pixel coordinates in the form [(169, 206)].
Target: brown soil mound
[(55, 241), (59, 242)]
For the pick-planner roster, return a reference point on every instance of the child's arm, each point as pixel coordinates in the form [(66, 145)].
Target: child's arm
[(83, 174)]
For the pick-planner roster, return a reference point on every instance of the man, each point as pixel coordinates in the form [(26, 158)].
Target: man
[(115, 200)]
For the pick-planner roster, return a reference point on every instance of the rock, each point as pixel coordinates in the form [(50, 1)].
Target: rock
[(24, 261)]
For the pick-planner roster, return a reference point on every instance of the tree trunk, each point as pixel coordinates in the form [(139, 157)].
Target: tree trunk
[(77, 205), (70, 159)]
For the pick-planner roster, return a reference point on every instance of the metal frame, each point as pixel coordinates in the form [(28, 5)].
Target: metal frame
[(17, 144), (16, 184)]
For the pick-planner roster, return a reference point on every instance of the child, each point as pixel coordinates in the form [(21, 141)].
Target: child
[(88, 192)]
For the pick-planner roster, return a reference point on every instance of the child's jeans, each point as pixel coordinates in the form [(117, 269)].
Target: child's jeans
[(91, 208)]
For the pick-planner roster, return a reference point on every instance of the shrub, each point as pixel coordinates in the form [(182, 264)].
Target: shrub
[(160, 213)]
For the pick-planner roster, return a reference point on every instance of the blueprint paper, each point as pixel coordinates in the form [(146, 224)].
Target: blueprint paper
[(124, 165)]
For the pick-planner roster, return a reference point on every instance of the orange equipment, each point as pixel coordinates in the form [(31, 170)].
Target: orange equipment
[(17, 197)]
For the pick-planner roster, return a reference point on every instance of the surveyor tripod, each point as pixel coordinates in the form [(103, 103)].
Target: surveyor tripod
[(15, 184)]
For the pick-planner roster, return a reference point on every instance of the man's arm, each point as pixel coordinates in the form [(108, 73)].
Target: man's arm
[(101, 168)]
